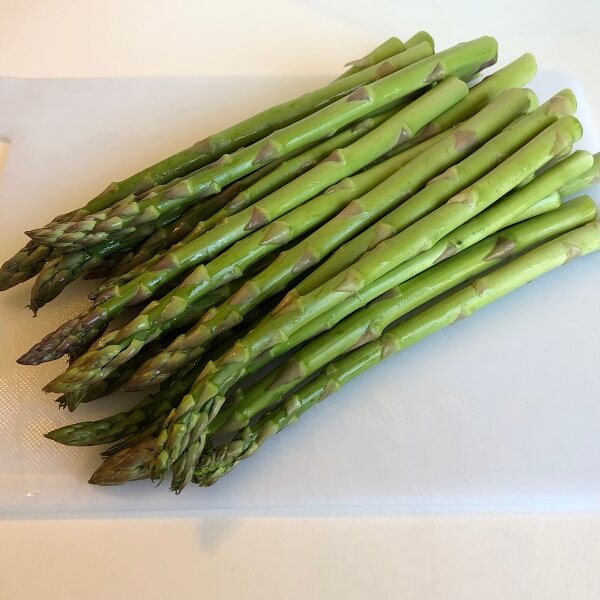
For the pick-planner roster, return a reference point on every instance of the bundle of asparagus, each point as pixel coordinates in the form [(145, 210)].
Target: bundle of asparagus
[(272, 262)]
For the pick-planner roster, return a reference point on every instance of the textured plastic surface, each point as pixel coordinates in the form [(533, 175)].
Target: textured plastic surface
[(501, 409)]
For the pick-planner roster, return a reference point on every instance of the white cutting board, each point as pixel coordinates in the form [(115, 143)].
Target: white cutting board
[(500, 411)]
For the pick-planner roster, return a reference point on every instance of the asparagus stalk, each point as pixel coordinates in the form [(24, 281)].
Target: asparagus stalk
[(64, 269), (24, 265), (106, 430), (588, 179), (79, 331), (528, 200), (364, 211), (105, 383), (32, 257), (436, 192), (143, 419), (283, 174), (234, 262), (248, 131), (107, 386), (356, 186), (487, 223), (184, 432), (129, 214), (114, 380), (59, 273), (380, 53), (369, 323), (418, 38), (184, 225), (110, 429), (515, 74), (459, 305)]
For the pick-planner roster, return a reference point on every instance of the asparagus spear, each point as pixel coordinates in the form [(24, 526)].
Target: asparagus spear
[(515, 74), (107, 386), (233, 263), (106, 430), (129, 214), (487, 223), (459, 305), (146, 416), (249, 131), (418, 38), (437, 191), (118, 376), (364, 211), (523, 202), (369, 323), (346, 189), (112, 428), (588, 179), (79, 331), (64, 269), (380, 53), (184, 225), (183, 434), (32, 257), (57, 274), (283, 174)]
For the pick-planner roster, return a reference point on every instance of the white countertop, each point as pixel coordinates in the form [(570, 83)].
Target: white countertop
[(527, 556)]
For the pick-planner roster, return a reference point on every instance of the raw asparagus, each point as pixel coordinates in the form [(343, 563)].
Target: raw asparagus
[(588, 179), (362, 212), (283, 174), (515, 74), (81, 330), (110, 429), (248, 131), (369, 323), (184, 225), (439, 190), (418, 38), (183, 434), (487, 223), (364, 100), (459, 305), (385, 50), (528, 200)]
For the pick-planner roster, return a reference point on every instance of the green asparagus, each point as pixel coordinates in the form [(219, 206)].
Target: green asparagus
[(385, 50), (459, 305), (80, 331), (418, 38), (487, 223), (437, 191), (528, 200), (184, 225), (515, 74), (369, 323), (364, 100), (184, 432), (283, 174), (365, 210)]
